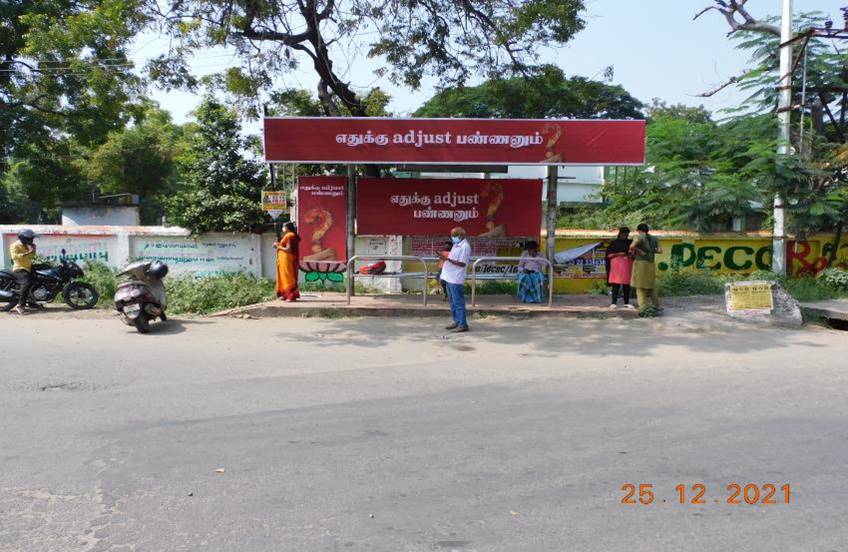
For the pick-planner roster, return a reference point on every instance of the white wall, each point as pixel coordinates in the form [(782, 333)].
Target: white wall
[(204, 255), (95, 215), (116, 246)]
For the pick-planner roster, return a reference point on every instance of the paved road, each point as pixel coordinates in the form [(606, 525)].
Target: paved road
[(381, 435)]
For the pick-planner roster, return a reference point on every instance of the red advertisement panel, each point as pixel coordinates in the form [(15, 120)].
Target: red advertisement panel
[(321, 220), (431, 207), (454, 141)]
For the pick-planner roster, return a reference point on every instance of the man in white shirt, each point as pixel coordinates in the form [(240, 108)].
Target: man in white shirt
[(454, 273)]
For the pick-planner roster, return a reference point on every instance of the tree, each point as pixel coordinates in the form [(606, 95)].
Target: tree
[(545, 93), (64, 84), (137, 160), (40, 179), (448, 39), (815, 179), (699, 174), (661, 110), (221, 187)]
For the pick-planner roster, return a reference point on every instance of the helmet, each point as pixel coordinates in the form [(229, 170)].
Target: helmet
[(158, 269), (26, 236)]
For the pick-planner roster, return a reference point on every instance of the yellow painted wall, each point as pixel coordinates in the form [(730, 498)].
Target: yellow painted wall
[(730, 253)]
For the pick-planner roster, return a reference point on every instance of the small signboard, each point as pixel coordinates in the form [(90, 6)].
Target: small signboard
[(275, 203), (750, 298)]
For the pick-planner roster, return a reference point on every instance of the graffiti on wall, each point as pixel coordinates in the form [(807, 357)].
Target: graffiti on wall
[(808, 258), (206, 256), (77, 248), (718, 256)]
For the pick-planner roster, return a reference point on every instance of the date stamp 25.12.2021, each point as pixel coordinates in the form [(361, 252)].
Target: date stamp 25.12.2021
[(698, 493)]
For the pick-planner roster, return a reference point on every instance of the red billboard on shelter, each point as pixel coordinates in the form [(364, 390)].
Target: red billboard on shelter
[(322, 220), (432, 207), (454, 141)]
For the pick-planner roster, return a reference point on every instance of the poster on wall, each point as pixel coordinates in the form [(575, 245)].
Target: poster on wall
[(432, 207), (452, 141), (322, 223), (583, 262)]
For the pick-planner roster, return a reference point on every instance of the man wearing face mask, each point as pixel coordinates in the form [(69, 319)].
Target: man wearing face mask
[(454, 273)]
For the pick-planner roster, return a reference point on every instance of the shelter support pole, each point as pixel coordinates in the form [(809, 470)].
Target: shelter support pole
[(351, 216), (551, 214)]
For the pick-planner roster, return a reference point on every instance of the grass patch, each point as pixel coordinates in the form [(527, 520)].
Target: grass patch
[(494, 287), (676, 283), (189, 294), (831, 283)]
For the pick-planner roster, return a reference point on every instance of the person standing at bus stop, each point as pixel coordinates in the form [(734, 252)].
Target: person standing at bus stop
[(288, 258), (454, 274), (644, 279)]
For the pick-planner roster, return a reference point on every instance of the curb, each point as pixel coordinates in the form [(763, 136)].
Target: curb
[(266, 310)]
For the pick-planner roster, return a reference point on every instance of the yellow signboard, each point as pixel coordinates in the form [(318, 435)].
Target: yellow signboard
[(275, 203), (750, 297)]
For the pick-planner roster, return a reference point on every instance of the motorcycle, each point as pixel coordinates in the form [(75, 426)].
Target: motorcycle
[(142, 299), (48, 281)]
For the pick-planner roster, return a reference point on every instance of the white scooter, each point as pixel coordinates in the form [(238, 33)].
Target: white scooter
[(143, 298)]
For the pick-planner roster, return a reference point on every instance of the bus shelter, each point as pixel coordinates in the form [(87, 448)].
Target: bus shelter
[(332, 210)]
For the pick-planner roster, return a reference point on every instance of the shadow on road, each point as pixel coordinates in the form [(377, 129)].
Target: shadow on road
[(173, 326), (696, 330)]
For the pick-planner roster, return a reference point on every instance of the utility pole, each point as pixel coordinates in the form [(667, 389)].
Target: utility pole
[(784, 113)]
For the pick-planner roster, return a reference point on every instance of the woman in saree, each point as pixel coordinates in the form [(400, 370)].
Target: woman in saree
[(288, 257), (530, 276)]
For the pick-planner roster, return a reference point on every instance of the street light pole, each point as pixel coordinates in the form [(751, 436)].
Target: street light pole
[(784, 113)]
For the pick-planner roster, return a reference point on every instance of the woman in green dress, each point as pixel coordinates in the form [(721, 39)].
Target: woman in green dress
[(644, 279)]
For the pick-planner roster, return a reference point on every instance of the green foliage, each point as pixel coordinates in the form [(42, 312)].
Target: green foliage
[(138, 160), (835, 278), (689, 282), (598, 287), (189, 294), (63, 85), (814, 180), (497, 287), (809, 289), (338, 287), (661, 110), (104, 280), (544, 94), (295, 102), (221, 187), (830, 284), (700, 174)]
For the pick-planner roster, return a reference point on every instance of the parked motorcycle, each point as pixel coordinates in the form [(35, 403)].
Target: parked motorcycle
[(142, 299), (47, 282)]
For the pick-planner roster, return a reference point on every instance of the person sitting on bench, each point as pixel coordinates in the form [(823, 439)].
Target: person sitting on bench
[(530, 276)]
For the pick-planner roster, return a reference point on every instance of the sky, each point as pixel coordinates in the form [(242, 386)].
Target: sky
[(655, 47)]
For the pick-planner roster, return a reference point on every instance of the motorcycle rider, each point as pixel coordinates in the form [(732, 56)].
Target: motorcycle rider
[(23, 253)]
